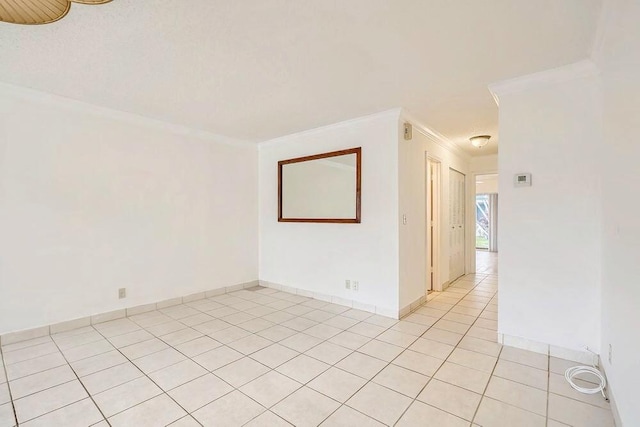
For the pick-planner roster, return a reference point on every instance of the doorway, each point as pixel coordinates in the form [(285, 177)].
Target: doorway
[(487, 222), (433, 223), (457, 196), (486, 215)]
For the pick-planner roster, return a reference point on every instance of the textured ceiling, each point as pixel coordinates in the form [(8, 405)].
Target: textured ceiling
[(258, 69)]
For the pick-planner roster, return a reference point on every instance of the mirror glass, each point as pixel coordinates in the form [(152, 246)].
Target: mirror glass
[(320, 188)]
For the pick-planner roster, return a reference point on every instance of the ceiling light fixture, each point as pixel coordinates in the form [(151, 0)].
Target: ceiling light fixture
[(29, 12), (480, 140)]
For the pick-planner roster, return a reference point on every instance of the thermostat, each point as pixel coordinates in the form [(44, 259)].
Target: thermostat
[(522, 180)]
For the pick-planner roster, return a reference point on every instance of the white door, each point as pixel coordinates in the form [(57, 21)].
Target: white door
[(456, 223)]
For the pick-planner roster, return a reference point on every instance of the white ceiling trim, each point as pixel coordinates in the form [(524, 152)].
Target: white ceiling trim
[(604, 24), (434, 136), (395, 112), (584, 68), (136, 119)]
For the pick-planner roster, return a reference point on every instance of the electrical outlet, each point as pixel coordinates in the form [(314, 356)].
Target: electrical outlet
[(610, 353), (122, 293), (355, 285), (347, 284)]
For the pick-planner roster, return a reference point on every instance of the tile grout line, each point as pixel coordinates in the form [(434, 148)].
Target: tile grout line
[(306, 384), (31, 358), (368, 381), (222, 344), (341, 404), (302, 331), (385, 329), (546, 421), (81, 383), (149, 378), (444, 361), (6, 375), (484, 392), (143, 373), (141, 327), (387, 363), (211, 373), (371, 338), (494, 366), (47, 388)]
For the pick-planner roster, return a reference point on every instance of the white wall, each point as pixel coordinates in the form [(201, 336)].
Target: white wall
[(620, 64), (550, 258), (412, 157), (92, 200), (486, 184), (484, 164), (320, 257)]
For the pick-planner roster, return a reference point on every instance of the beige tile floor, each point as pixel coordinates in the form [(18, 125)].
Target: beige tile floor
[(267, 358), (486, 262)]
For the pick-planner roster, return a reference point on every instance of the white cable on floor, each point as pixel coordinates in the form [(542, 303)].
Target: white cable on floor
[(570, 373)]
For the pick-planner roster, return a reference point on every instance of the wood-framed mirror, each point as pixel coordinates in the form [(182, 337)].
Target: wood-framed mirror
[(321, 188)]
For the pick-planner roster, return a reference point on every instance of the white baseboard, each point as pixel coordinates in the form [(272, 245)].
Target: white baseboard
[(407, 309), (612, 401), (27, 334), (581, 356), (382, 311)]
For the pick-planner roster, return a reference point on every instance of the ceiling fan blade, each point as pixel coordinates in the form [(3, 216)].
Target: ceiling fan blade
[(91, 1), (33, 12)]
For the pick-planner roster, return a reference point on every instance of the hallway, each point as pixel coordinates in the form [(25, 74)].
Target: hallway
[(486, 262)]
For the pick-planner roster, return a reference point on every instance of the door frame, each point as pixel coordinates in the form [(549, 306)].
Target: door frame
[(433, 206)]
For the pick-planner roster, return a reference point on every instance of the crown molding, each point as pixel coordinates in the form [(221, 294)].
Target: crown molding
[(605, 20), (433, 135), (395, 112), (69, 104), (576, 70)]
